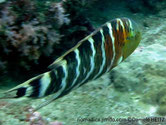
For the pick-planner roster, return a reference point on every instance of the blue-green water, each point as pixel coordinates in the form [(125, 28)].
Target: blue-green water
[(133, 90)]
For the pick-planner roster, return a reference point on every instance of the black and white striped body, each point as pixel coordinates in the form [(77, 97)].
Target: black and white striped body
[(86, 62), (93, 56)]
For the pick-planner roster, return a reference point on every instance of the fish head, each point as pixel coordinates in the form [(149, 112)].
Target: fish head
[(132, 40)]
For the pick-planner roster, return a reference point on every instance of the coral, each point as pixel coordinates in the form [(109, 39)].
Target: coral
[(80, 26), (59, 17), (80, 4), (33, 33), (29, 33)]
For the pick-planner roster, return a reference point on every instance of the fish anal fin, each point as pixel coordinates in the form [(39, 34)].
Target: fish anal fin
[(60, 61), (50, 99)]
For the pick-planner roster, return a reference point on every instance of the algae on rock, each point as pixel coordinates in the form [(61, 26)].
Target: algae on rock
[(144, 73)]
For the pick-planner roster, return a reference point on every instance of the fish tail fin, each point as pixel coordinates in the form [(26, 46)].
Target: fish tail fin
[(39, 86), (34, 87)]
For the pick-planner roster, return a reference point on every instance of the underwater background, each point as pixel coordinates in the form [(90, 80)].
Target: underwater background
[(33, 33)]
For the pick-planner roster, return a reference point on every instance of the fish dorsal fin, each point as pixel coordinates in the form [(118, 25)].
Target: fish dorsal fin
[(60, 60)]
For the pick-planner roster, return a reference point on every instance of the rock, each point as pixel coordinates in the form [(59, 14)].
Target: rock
[(144, 73), (162, 110), (56, 123), (144, 6), (142, 68), (135, 6)]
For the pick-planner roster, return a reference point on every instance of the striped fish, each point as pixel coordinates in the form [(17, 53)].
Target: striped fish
[(93, 56)]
